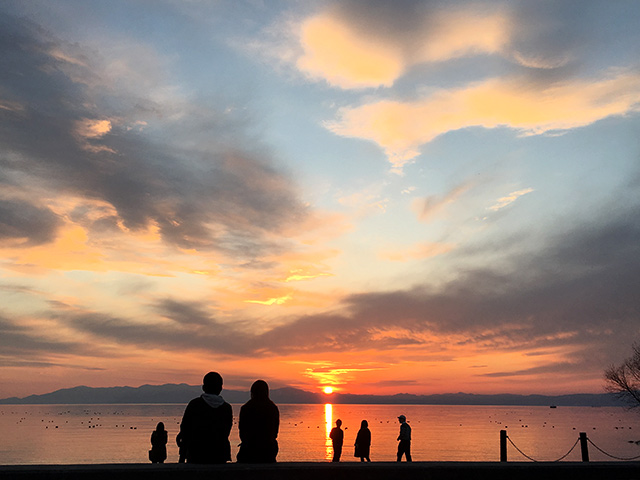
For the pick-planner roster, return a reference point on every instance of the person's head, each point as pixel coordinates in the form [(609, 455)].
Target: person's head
[(260, 390), (402, 419), (338, 423), (160, 427), (364, 424), (212, 383)]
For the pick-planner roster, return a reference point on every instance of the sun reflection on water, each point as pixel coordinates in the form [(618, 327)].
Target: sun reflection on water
[(328, 418)]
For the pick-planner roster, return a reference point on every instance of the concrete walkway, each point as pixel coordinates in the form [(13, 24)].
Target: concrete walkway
[(329, 471)]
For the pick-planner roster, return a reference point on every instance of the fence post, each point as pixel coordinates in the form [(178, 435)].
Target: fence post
[(503, 445), (584, 447)]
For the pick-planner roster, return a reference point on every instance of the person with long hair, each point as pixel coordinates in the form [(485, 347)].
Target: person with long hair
[(258, 425), (158, 452), (363, 442)]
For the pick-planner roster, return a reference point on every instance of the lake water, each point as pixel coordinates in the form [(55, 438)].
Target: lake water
[(80, 434)]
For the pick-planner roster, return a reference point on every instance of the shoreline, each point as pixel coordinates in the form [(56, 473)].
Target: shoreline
[(334, 471)]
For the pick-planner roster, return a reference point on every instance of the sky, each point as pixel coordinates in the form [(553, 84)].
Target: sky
[(382, 197)]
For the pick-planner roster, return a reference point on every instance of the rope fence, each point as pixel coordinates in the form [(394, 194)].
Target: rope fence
[(534, 460), (583, 440), (612, 456)]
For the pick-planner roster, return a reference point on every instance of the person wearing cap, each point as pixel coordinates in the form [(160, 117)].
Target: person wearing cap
[(404, 447), (206, 424)]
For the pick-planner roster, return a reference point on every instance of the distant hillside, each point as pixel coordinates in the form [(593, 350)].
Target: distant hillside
[(182, 393), (169, 393), (578, 400)]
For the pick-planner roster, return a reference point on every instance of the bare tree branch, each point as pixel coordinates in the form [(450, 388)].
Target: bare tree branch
[(624, 379)]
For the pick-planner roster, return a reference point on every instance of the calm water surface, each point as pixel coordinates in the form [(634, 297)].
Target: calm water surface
[(76, 434)]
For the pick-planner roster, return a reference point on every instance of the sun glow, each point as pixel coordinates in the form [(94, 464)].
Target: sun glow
[(328, 390)]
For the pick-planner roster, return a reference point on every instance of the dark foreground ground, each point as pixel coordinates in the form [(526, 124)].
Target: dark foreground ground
[(328, 471)]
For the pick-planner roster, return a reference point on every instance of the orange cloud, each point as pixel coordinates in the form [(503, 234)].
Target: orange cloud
[(272, 301), (457, 33), (91, 128), (304, 274), (400, 128), (336, 53), (509, 199), (88, 130), (346, 57)]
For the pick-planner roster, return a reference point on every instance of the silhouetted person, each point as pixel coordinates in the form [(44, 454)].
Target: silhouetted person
[(206, 424), (404, 447), (363, 442), (337, 438), (158, 452), (182, 449), (259, 423)]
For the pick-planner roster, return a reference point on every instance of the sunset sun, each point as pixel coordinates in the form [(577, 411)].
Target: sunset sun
[(328, 390)]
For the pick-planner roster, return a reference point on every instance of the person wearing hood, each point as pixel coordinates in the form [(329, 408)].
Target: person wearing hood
[(258, 425), (206, 424)]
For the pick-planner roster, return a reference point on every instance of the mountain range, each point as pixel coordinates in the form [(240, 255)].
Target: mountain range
[(182, 393)]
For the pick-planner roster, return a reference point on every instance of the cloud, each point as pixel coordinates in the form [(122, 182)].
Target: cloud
[(24, 224), (575, 292), (338, 55), (400, 128), (509, 199), (367, 44), (427, 208), (554, 368), (88, 130), (570, 304), (22, 344), (191, 173), (178, 334), (371, 44)]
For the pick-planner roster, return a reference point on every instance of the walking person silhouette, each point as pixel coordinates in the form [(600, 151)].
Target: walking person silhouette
[(337, 438), (404, 447)]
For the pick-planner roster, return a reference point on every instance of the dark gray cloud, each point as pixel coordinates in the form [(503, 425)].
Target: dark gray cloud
[(549, 40), (578, 291), (396, 21), (575, 36), (20, 343), (184, 314), (202, 181), (555, 369), (26, 222), (581, 290), (188, 328)]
